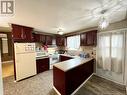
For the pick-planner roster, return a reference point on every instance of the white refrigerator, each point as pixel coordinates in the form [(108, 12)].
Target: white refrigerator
[(25, 60)]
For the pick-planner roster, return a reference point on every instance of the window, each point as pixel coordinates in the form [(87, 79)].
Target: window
[(73, 42)]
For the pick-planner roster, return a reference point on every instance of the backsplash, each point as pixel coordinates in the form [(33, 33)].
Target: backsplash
[(91, 50), (51, 49)]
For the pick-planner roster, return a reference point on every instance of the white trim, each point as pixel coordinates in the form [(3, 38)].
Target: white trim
[(109, 79), (7, 62), (115, 30), (82, 84), (77, 88), (56, 90)]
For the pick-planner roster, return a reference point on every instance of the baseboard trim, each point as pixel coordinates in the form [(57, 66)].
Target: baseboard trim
[(4, 62), (77, 88), (56, 90), (82, 84), (109, 80)]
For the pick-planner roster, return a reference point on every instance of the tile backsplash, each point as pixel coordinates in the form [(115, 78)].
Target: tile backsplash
[(91, 50)]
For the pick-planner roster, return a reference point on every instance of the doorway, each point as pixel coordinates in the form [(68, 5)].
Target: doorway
[(6, 47)]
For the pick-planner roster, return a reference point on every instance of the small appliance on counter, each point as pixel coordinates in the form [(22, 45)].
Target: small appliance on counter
[(84, 55)]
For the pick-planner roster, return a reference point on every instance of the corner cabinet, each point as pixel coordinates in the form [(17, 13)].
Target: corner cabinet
[(89, 38), (42, 65), (60, 41), (49, 40), (21, 33)]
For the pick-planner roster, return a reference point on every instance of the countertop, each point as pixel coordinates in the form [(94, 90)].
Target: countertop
[(48, 56), (72, 63), (69, 55), (42, 57)]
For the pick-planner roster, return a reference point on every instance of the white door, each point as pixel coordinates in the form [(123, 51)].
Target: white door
[(25, 65)]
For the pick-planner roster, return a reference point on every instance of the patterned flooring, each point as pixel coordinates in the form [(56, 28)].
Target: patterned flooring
[(41, 84)]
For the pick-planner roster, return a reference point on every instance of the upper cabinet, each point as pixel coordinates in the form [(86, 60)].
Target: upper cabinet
[(89, 38), (60, 41), (49, 40), (21, 33), (39, 38), (83, 40)]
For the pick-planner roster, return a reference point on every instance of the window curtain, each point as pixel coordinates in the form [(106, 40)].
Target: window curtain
[(73, 42), (110, 51)]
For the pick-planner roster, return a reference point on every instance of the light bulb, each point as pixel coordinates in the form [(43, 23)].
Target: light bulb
[(103, 23), (60, 32)]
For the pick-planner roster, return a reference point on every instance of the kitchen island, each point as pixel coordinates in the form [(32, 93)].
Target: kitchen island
[(70, 75)]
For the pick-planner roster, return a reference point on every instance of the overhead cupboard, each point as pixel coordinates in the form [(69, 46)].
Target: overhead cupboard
[(21, 33), (26, 34), (88, 38)]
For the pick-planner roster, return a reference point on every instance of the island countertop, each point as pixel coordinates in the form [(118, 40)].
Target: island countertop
[(72, 63)]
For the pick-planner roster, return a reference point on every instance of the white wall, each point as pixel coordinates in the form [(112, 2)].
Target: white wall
[(1, 85)]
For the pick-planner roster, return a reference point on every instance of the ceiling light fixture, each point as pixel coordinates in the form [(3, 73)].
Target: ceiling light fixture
[(103, 23), (60, 32)]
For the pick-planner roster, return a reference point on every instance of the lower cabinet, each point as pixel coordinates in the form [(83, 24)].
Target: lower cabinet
[(42, 65), (64, 58), (66, 82)]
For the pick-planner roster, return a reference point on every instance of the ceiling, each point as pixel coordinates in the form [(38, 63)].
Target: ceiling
[(69, 15)]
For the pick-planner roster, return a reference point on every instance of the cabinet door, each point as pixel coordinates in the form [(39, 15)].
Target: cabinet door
[(95, 38), (27, 33), (92, 38), (17, 32), (43, 38), (42, 65), (83, 39), (48, 40), (36, 37), (89, 38), (60, 41), (21, 33)]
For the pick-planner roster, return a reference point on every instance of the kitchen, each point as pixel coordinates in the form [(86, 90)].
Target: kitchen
[(68, 57)]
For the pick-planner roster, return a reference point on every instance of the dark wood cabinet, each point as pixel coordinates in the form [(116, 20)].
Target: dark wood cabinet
[(45, 39), (49, 40), (36, 37), (66, 82), (42, 65), (21, 33), (60, 41), (89, 38), (64, 58), (83, 40), (28, 34), (39, 38)]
